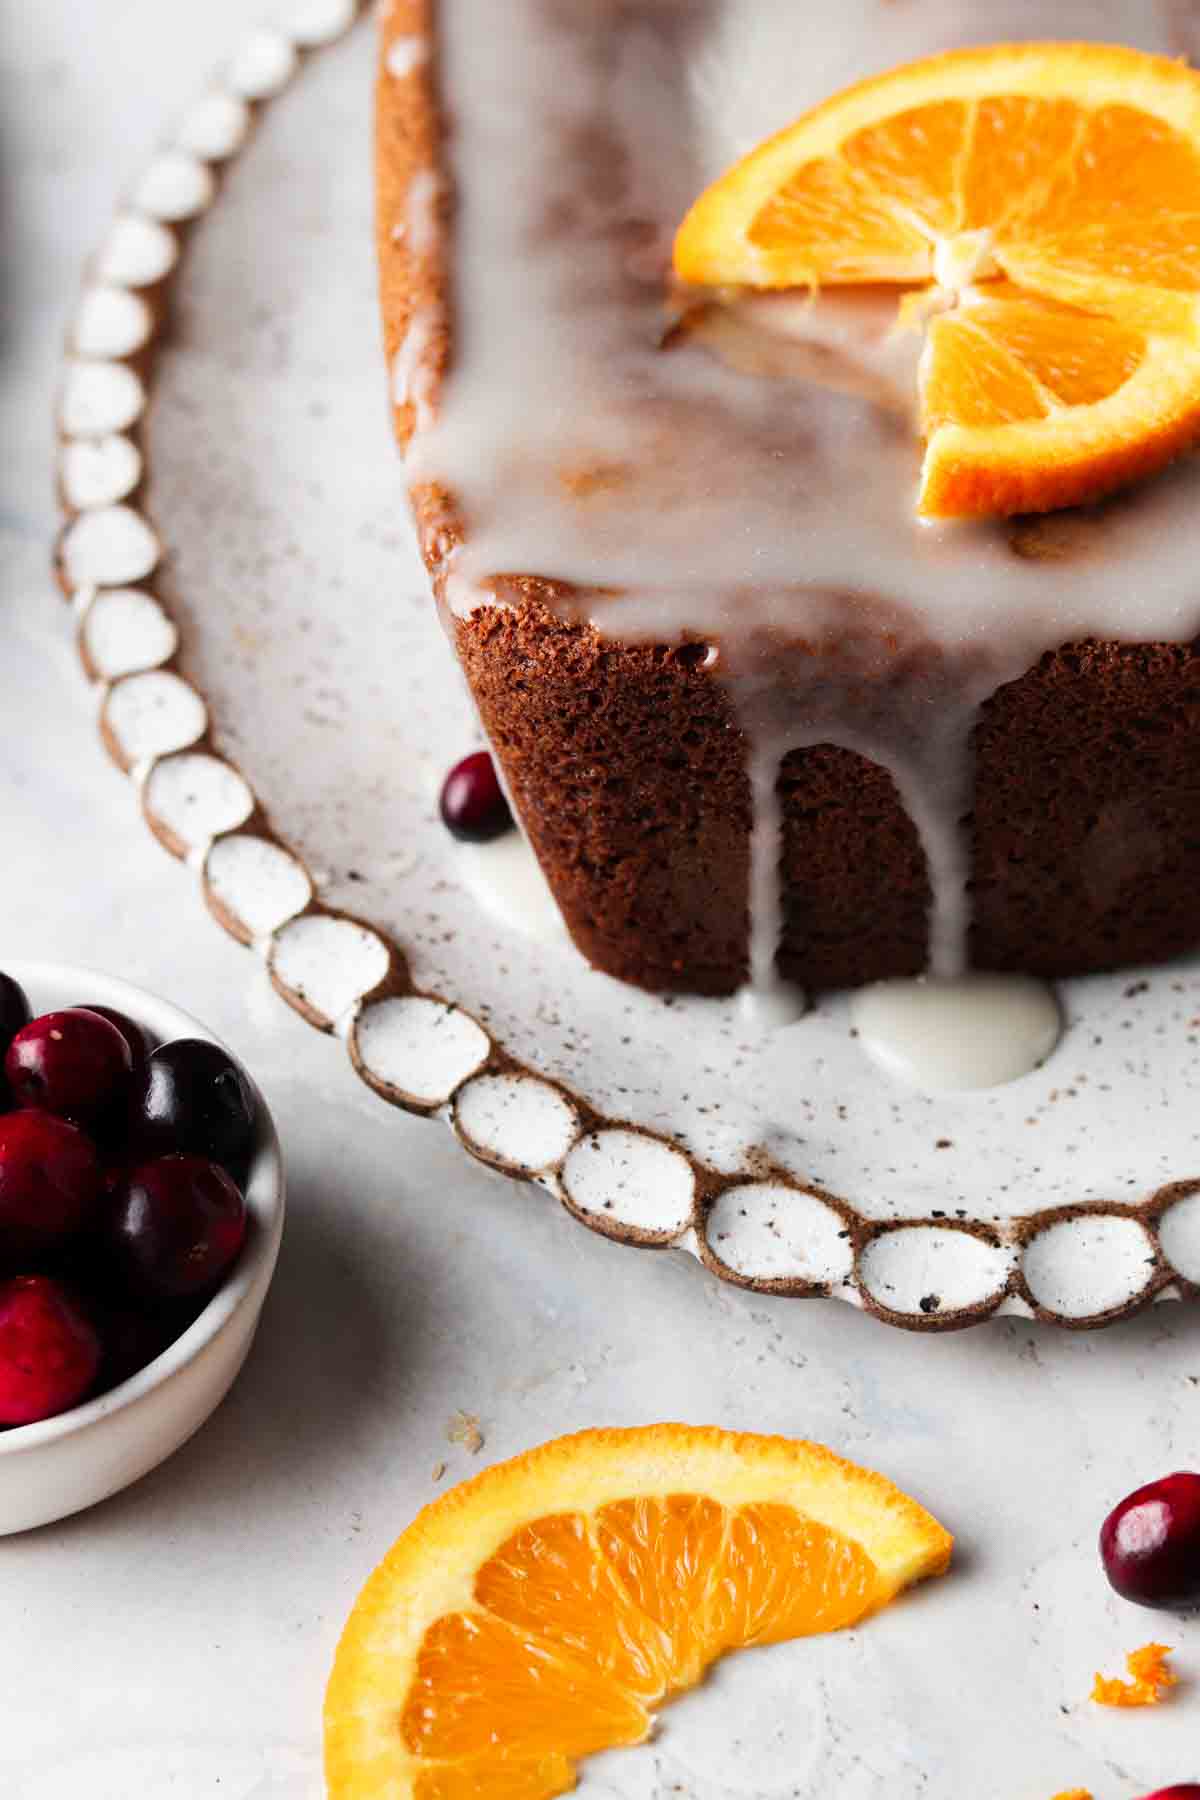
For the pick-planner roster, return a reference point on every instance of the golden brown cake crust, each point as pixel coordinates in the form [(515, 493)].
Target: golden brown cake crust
[(628, 768)]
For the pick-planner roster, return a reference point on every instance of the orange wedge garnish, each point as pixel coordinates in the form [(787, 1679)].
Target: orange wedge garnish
[(539, 1612), (1041, 205)]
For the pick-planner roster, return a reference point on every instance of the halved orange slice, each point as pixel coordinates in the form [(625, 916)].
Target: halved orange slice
[(1044, 199), (539, 1612)]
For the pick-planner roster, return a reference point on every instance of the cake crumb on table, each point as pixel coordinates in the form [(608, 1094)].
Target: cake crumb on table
[(464, 1429)]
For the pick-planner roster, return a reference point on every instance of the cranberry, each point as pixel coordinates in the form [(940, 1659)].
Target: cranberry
[(49, 1182), (1183, 1790), (72, 1062), (135, 1037), (174, 1226), (472, 805), (49, 1351), (1150, 1544), (191, 1096), (15, 1012), (133, 1337)]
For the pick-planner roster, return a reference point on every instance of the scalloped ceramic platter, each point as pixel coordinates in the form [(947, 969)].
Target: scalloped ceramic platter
[(266, 649)]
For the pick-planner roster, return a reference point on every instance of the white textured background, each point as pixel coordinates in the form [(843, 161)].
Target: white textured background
[(175, 1641)]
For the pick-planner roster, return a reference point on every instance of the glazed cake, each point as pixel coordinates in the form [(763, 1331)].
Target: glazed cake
[(757, 720)]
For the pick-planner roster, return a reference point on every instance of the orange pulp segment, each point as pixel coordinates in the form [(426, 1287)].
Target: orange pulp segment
[(1041, 204), (536, 1614)]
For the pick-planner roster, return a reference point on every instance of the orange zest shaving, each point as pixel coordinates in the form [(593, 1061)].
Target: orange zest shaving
[(1149, 1679), (1074, 1794), (1036, 208)]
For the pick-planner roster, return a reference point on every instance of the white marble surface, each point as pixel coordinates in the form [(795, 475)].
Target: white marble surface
[(175, 1640)]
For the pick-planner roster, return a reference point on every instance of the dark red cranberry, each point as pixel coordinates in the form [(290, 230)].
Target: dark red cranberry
[(73, 1063), (174, 1227), (472, 805), (1150, 1544), (49, 1182), (15, 1012), (1183, 1790), (49, 1350), (191, 1096), (139, 1044), (131, 1337)]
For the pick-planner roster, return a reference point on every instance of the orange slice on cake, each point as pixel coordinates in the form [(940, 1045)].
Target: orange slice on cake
[(539, 1612), (1040, 203)]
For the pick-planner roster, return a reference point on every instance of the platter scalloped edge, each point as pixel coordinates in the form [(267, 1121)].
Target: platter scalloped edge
[(760, 1229)]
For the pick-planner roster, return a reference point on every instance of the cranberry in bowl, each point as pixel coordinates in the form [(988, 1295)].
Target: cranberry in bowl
[(141, 1209)]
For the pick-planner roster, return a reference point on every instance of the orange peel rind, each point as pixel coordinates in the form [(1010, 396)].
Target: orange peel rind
[(539, 1612)]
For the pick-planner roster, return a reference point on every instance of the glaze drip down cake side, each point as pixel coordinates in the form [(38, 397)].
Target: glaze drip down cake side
[(757, 717)]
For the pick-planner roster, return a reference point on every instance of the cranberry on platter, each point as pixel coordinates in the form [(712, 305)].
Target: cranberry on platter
[(191, 1096), (49, 1350), (174, 1227), (74, 1063), (1150, 1548), (472, 804), (49, 1183), (1183, 1790)]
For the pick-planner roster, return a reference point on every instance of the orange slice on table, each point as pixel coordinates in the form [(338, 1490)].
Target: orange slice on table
[(1041, 203), (537, 1614)]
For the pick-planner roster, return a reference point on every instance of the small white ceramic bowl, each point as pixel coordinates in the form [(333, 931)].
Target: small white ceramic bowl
[(66, 1463)]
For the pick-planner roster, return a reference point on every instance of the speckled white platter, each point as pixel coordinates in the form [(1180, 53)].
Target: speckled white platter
[(271, 673)]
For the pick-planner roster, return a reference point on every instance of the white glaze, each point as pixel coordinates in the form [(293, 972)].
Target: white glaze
[(263, 65), (110, 321), (951, 1036), (312, 23), (99, 398), (137, 252), (758, 508), (108, 547), (98, 471), (215, 126), (125, 631), (506, 879), (405, 55), (176, 186)]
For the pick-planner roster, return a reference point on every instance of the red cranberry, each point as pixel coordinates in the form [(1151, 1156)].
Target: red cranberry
[(1150, 1544), (49, 1182), (472, 805), (175, 1226), (1183, 1790), (49, 1351), (15, 1012), (130, 1030), (191, 1096), (71, 1062)]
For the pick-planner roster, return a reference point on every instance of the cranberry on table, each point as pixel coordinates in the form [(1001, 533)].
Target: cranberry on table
[(72, 1062), (190, 1095), (49, 1182), (174, 1226), (49, 1350), (139, 1044), (1150, 1544), (472, 805)]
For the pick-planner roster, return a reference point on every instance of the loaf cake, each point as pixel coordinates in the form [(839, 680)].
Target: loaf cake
[(756, 720)]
